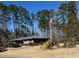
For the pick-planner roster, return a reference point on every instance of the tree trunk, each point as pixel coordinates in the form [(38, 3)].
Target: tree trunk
[(44, 31), (14, 25), (32, 29), (50, 25)]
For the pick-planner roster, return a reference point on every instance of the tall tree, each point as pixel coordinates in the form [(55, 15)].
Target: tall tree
[(32, 19), (72, 19), (43, 17), (24, 18), (4, 20), (15, 18), (70, 28), (63, 11)]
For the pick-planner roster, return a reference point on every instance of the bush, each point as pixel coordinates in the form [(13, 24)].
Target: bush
[(47, 45)]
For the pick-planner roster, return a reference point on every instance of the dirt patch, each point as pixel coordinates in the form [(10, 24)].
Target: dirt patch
[(37, 52)]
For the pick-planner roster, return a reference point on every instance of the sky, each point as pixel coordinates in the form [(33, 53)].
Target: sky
[(35, 6)]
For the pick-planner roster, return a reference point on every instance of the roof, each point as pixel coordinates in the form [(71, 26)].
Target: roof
[(29, 38)]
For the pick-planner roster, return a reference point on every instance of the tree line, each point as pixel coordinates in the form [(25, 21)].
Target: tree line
[(65, 19)]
